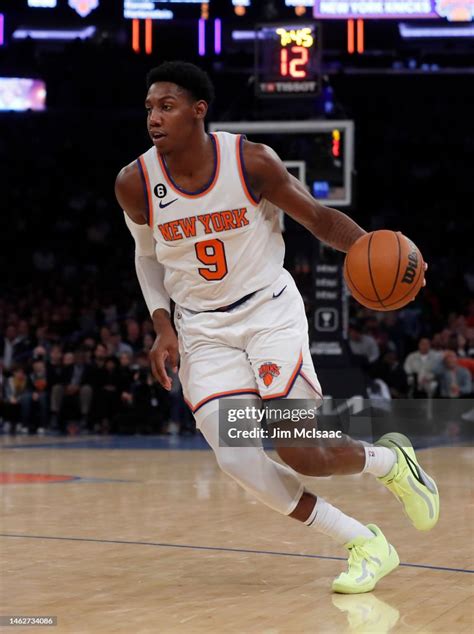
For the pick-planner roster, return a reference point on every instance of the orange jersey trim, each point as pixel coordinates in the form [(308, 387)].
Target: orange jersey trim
[(212, 397), (211, 185), (240, 165), (290, 383), (148, 190)]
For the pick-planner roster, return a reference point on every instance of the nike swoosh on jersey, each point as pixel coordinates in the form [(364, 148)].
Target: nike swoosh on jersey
[(163, 205), (275, 295)]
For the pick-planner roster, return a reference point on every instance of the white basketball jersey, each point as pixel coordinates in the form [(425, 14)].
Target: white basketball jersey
[(217, 244)]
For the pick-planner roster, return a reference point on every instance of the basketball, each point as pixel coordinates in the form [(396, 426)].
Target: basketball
[(384, 270)]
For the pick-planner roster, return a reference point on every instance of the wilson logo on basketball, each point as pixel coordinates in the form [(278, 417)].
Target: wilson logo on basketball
[(267, 371), (410, 271)]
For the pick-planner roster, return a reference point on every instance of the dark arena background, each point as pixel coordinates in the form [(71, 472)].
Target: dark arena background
[(115, 514)]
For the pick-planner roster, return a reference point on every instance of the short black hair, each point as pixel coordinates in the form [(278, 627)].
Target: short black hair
[(186, 75)]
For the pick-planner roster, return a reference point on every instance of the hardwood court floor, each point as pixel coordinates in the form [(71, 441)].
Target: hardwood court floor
[(161, 541)]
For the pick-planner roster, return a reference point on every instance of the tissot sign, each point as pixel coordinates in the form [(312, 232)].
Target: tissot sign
[(453, 10)]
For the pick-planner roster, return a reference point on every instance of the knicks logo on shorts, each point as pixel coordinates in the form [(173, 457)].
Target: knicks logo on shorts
[(267, 371)]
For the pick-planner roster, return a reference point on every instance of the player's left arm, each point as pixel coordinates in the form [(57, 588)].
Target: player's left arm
[(269, 177)]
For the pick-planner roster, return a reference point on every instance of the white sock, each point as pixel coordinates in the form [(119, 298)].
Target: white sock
[(379, 460), (329, 520)]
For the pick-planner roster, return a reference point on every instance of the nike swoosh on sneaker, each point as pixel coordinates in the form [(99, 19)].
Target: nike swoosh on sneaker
[(414, 468), (163, 205), (275, 295)]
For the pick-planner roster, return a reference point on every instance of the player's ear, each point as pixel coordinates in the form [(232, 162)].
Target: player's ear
[(200, 109)]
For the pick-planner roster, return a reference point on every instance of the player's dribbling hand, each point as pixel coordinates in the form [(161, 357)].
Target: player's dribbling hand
[(164, 352), (425, 268)]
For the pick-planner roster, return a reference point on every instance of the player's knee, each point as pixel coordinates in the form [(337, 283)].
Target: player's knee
[(243, 465), (310, 461), (228, 461)]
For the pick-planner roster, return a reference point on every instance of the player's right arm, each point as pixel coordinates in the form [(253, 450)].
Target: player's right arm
[(150, 273)]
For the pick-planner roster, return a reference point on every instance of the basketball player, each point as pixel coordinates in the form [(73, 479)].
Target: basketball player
[(202, 210)]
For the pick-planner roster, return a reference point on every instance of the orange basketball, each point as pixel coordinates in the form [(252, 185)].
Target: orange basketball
[(384, 270)]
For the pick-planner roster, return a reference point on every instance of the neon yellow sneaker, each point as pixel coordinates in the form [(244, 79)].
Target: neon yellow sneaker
[(370, 559), (410, 484)]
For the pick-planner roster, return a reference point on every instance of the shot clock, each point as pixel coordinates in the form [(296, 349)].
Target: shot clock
[(287, 60)]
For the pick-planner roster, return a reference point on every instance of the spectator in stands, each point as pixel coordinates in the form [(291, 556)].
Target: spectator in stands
[(36, 401), (97, 370), (461, 345), (148, 341), (126, 377), (16, 399), (41, 337), (379, 394), (437, 343), (116, 345), (393, 328), (420, 368), (452, 342), (392, 373), (108, 395), (410, 317), (454, 380), (445, 337), (39, 354), (54, 371), (104, 337), (133, 338), (14, 347), (470, 343), (24, 337), (87, 320), (362, 345), (100, 355), (147, 328), (74, 394), (88, 345), (150, 402), (109, 309), (467, 363)]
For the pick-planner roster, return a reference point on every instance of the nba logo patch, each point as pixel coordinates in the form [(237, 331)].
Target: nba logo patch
[(267, 371), (83, 7)]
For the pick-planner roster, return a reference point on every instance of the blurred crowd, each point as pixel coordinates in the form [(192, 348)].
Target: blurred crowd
[(60, 378), (404, 358), (72, 367)]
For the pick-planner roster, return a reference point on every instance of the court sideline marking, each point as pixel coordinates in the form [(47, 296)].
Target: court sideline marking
[(220, 549)]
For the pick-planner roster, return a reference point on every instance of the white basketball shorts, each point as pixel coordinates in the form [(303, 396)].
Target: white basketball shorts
[(259, 348)]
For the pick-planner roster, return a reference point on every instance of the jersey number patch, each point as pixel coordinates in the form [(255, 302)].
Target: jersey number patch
[(212, 254)]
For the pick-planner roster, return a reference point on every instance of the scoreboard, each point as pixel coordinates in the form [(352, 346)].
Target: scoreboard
[(288, 60)]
